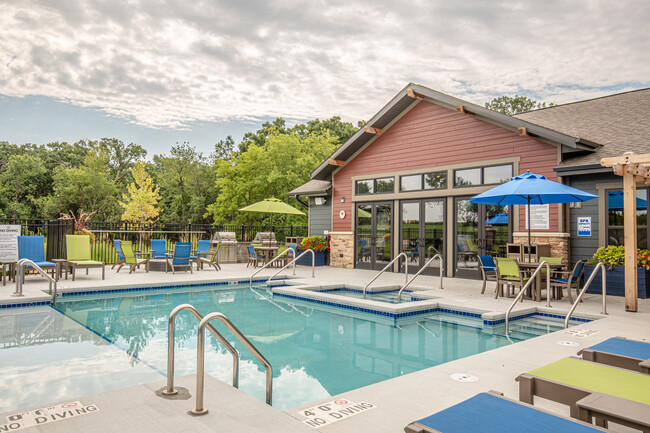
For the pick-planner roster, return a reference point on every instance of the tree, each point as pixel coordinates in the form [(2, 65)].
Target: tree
[(515, 104), (141, 198), (20, 179), (341, 131), (121, 158), (259, 138), (223, 149)]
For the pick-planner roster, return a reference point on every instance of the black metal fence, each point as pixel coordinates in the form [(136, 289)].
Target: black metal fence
[(105, 233)]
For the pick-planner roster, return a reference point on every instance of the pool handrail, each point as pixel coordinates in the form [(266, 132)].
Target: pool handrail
[(19, 278), (408, 283), (523, 290), (313, 264), (285, 252), (200, 368), (584, 289), (170, 348), (397, 257)]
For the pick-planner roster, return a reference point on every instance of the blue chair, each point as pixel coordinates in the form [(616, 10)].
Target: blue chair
[(120, 256), (492, 413), (620, 352), (488, 270), (158, 249), (571, 280), (180, 258), (33, 248), (201, 249), (253, 256)]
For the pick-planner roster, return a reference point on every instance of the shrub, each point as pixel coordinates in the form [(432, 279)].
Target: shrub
[(615, 256)]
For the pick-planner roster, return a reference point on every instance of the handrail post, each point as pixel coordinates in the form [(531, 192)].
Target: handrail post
[(19, 278), (295, 259), (273, 261), (408, 283), (397, 257), (584, 289), (523, 290)]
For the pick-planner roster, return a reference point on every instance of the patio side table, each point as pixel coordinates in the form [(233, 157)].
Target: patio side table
[(61, 264)]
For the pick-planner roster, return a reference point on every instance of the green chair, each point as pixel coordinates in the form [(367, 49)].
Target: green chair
[(78, 254), (508, 274), (209, 257), (130, 258)]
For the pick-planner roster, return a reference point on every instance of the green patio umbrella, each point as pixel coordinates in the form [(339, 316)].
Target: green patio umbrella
[(272, 205)]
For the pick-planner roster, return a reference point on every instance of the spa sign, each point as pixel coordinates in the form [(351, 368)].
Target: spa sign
[(9, 243)]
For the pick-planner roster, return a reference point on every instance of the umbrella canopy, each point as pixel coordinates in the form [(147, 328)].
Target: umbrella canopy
[(272, 205), (615, 201), (500, 219), (529, 188)]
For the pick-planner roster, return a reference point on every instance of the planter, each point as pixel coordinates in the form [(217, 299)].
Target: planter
[(616, 281), (306, 259)]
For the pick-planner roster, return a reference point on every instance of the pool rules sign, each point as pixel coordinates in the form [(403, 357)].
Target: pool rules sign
[(9, 243), (328, 413)]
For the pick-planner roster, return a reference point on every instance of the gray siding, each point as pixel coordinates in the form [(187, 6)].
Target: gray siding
[(584, 247), (320, 217)]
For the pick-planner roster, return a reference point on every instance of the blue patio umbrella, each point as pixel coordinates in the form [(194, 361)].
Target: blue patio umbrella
[(530, 188), (500, 219), (615, 201)]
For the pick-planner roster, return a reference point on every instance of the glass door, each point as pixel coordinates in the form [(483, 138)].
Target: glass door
[(422, 233), (374, 227)]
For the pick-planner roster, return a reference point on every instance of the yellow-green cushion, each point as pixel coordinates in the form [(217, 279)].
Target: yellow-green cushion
[(77, 247), (85, 262)]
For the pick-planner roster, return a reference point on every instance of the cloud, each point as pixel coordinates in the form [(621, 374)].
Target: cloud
[(167, 63)]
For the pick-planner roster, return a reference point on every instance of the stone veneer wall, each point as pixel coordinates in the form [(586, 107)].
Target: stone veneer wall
[(559, 242), (342, 249)]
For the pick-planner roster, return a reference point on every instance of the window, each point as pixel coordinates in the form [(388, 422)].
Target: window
[(494, 174), (410, 183), (467, 177), (374, 186), (435, 180), (365, 187), (615, 215), (497, 174)]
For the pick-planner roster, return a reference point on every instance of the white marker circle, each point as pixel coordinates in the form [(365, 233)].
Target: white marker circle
[(463, 377)]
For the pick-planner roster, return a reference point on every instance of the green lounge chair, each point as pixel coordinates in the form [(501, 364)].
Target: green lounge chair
[(620, 352), (591, 389), (130, 258), (209, 257), (78, 254)]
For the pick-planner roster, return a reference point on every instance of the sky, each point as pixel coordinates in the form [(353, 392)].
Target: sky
[(161, 72)]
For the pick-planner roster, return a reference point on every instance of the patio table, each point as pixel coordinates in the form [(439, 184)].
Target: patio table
[(269, 252), (531, 266)]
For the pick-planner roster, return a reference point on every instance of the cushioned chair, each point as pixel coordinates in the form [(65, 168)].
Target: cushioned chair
[(180, 258), (131, 259), (488, 270), (158, 249), (253, 256), (508, 274), (33, 248), (209, 257), (78, 254), (620, 352), (568, 280)]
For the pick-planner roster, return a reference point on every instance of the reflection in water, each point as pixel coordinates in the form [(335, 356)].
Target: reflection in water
[(314, 353)]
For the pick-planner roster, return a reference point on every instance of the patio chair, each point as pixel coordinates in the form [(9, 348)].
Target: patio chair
[(131, 259), (253, 256), (508, 274), (493, 413), (158, 249), (591, 389), (209, 257), (78, 254), (620, 352), (571, 280), (180, 258), (202, 249), (120, 256), (488, 270), (363, 250), (33, 248)]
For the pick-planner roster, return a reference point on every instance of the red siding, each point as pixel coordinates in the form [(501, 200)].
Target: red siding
[(430, 135)]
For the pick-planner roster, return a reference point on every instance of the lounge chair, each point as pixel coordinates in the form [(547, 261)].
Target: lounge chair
[(130, 258), (488, 270), (568, 280), (120, 256), (492, 413), (158, 249), (591, 389), (33, 248), (202, 249), (253, 256), (209, 257), (620, 352), (180, 258), (78, 254), (508, 274)]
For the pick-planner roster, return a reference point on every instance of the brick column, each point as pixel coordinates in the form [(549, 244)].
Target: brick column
[(342, 249)]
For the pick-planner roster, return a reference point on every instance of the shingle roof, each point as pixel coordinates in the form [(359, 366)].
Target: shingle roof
[(620, 123), (313, 187)]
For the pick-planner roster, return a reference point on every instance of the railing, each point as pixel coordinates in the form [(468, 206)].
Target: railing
[(20, 276), (408, 283), (523, 290), (200, 373), (584, 289), (397, 257), (170, 348), (313, 264), (283, 253)]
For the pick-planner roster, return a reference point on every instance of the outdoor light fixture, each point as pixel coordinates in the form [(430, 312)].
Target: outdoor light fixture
[(342, 199), (319, 200)]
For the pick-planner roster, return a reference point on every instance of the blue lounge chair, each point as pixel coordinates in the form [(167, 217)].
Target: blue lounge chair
[(180, 258), (33, 248), (491, 413), (620, 352), (158, 249), (120, 256), (201, 249)]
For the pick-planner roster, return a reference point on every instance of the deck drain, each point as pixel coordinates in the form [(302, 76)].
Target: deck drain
[(463, 377), (567, 343)]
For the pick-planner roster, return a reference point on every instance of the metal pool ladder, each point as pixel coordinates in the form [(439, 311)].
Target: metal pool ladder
[(204, 322), (408, 283), (397, 257), (19, 278), (584, 289), (283, 253)]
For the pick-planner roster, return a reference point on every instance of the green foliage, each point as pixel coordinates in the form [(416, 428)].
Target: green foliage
[(141, 198), (316, 243), (614, 255), (515, 104), (20, 180)]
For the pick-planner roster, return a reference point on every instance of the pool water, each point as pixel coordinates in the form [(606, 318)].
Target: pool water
[(389, 296)]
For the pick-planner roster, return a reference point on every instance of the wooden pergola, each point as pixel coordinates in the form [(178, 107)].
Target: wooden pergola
[(634, 169)]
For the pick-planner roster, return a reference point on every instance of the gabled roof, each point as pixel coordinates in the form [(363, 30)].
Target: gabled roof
[(411, 95), (620, 123)]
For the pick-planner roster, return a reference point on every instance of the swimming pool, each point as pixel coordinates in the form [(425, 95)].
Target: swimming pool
[(316, 350), (389, 296)]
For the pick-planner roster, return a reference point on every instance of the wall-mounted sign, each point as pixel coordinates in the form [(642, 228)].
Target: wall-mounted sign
[(584, 226), (342, 214), (539, 216), (9, 243)]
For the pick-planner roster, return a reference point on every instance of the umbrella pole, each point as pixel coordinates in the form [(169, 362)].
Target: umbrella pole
[(530, 223)]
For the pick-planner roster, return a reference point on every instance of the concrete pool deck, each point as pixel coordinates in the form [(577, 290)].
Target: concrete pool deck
[(398, 401)]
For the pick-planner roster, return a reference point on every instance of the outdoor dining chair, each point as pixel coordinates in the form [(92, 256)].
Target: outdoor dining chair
[(488, 270), (571, 280), (509, 274), (253, 256), (180, 258)]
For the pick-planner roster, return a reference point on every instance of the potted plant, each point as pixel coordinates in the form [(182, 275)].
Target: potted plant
[(320, 246), (613, 257)]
